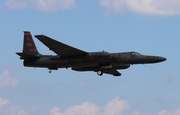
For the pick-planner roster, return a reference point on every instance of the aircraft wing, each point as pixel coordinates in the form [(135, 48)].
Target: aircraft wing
[(59, 48), (112, 71)]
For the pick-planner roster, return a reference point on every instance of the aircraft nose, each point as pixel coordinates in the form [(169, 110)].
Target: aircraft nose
[(154, 59), (162, 59)]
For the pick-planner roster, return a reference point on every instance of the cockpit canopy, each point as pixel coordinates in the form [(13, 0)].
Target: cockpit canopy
[(135, 53)]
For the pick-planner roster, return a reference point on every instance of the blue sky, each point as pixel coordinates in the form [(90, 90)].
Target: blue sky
[(149, 27)]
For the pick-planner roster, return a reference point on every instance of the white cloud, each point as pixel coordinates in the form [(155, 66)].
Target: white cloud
[(85, 108), (148, 7), (3, 102), (113, 6), (162, 112), (6, 80), (44, 5), (165, 112), (114, 107), (50, 5), (13, 110), (55, 111), (7, 108)]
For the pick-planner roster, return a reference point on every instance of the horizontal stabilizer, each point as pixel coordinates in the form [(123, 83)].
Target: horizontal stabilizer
[(26, 56)]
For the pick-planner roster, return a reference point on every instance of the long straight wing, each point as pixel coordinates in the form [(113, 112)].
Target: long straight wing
[(59, 48), (112, 71)]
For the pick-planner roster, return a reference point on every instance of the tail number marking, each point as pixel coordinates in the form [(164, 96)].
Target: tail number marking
[(29, 44)]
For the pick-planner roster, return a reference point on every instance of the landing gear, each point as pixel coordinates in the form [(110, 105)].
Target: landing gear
[(52, 68), (100, 73)]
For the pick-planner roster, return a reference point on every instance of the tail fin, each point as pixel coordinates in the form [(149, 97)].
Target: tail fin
[(29, 46)]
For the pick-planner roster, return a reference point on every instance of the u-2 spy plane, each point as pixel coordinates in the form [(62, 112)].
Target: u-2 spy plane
[(79, 60)]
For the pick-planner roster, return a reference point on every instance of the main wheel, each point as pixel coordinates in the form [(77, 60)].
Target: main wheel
[(100, 73)]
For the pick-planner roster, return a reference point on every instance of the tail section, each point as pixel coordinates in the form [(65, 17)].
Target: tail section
[(29, 47)]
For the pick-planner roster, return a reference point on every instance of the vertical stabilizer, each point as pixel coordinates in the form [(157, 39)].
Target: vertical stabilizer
[(29, 46)]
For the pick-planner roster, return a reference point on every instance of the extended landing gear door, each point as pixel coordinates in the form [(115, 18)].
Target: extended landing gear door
[(112, 71)]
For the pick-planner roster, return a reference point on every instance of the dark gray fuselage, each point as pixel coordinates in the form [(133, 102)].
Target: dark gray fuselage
[(92, 60)]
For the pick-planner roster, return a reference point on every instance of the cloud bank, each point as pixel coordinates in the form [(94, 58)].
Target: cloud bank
[(114, 107), (43, 5), (8, 108), (6, 80), (145, 7)]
